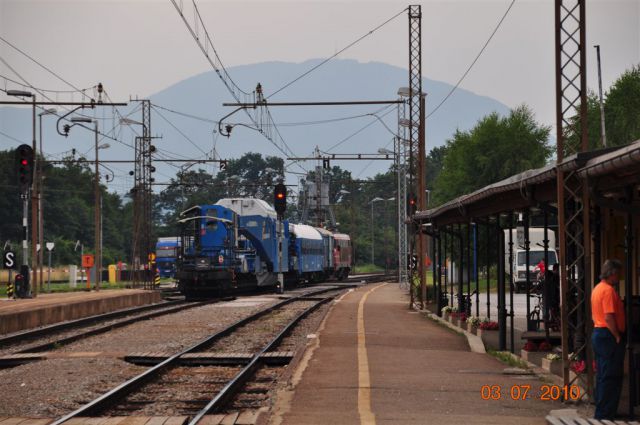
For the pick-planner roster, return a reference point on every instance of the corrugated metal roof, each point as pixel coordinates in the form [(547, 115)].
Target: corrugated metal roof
[(596, 161)]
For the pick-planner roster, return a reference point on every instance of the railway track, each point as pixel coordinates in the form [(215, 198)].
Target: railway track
[(56, 335), (174, 388), (59, 334)]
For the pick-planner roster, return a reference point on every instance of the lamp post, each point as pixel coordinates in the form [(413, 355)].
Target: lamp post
[(373, 243), (98, 200), (50, 111), (34, 211)]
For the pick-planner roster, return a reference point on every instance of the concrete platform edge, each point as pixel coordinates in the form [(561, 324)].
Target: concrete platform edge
[(475, 342), (11, 322)]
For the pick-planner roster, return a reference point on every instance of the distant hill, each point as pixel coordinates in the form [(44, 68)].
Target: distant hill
[(342, 79)]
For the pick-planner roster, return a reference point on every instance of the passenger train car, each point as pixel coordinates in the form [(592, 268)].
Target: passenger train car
[(239, 244)]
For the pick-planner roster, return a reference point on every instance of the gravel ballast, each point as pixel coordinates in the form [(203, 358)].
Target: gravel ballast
[(54, 387)]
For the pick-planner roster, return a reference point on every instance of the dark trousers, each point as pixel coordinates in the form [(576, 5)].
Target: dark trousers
[(610, 370)]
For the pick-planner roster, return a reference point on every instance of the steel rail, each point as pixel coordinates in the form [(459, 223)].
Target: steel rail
[(235, 384), (111, 326), (33, 333), (119, 392)]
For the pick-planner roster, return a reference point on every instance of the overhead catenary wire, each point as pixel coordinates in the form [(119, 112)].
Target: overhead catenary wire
[(219, 68), (361, 129), (179, 131), (348, 46), (280, 124), (40, 65), (454, 88)]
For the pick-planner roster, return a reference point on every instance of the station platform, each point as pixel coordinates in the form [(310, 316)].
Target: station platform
[(46, 309), (376, 361)]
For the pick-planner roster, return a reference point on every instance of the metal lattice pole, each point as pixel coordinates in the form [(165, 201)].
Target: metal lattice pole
[(415, 94), (142, 199), (573, 198), (403, 157)]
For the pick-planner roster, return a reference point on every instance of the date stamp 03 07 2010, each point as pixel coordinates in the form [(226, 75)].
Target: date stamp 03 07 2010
[(525, 392)]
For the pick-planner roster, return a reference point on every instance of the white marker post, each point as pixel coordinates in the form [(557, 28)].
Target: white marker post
[(50, 246)]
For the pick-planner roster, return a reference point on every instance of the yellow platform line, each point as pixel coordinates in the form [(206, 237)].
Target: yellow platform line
[(364, 379)]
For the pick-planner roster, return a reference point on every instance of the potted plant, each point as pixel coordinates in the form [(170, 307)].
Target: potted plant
[(532, 352), (462, 320), (446, 312), (552, 363), (472, 324), (486, 326), (453, 317)]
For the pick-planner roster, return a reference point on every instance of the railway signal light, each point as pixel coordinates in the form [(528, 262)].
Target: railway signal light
[(412, 204), (280, 199), (24, 159)]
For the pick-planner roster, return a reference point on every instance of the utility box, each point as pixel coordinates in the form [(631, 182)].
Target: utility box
[(73, 275), (112, 273)]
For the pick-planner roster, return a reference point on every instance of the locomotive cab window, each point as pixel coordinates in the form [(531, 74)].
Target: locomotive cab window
[(212, 225)]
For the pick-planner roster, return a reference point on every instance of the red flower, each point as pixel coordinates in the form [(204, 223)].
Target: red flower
[(489, 326), (579, 366), (530, 346), (544, 346)]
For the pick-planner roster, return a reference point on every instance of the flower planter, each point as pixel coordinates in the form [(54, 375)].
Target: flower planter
[(462, 324), (552, 366), (445, 316), (471, 328), (486, 332), (534, 357)]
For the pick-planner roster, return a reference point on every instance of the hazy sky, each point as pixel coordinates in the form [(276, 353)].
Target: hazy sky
[(140, 47)]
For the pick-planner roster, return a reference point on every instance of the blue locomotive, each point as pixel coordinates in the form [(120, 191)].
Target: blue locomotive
[(239, 244), (166, 254)]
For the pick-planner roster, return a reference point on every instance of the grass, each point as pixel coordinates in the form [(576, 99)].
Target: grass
[(509, 359), (366, 268)]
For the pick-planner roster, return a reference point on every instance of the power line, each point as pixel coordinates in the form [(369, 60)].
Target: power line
[(180, 131), (13, 138), (353, 43), (454, 88), (361, 129), (4, 77), (42, 66), (231, 86)]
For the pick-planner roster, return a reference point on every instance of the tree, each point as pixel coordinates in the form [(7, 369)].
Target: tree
[(249, 176), (496, 148), (621, 112)]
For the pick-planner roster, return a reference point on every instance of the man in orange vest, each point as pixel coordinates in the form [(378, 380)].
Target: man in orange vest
[(607, 312)]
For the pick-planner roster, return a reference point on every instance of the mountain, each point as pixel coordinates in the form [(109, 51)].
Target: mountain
[(202, 95)]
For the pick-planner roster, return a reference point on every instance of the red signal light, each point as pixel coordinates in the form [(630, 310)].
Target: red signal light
[(280, 195), (24, 162)]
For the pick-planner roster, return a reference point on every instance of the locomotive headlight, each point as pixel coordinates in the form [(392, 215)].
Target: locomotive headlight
[(220, 259)]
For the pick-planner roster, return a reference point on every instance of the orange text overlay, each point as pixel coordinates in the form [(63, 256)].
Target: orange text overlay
[(526, 392)]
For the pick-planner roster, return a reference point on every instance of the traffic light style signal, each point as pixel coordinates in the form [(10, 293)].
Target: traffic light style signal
[(412, 204), (280, 199), (24, 166)]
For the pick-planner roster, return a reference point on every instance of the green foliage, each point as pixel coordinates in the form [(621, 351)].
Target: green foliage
[(496, 148), (249, 176), (621, 111), (68, 205)]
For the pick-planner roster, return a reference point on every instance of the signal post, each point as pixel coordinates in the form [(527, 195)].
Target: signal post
[(280, 205)]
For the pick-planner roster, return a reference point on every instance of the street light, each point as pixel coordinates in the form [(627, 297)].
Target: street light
[(50, 111), (384, 151), (34, 210), (129, 121), (98, 199)]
